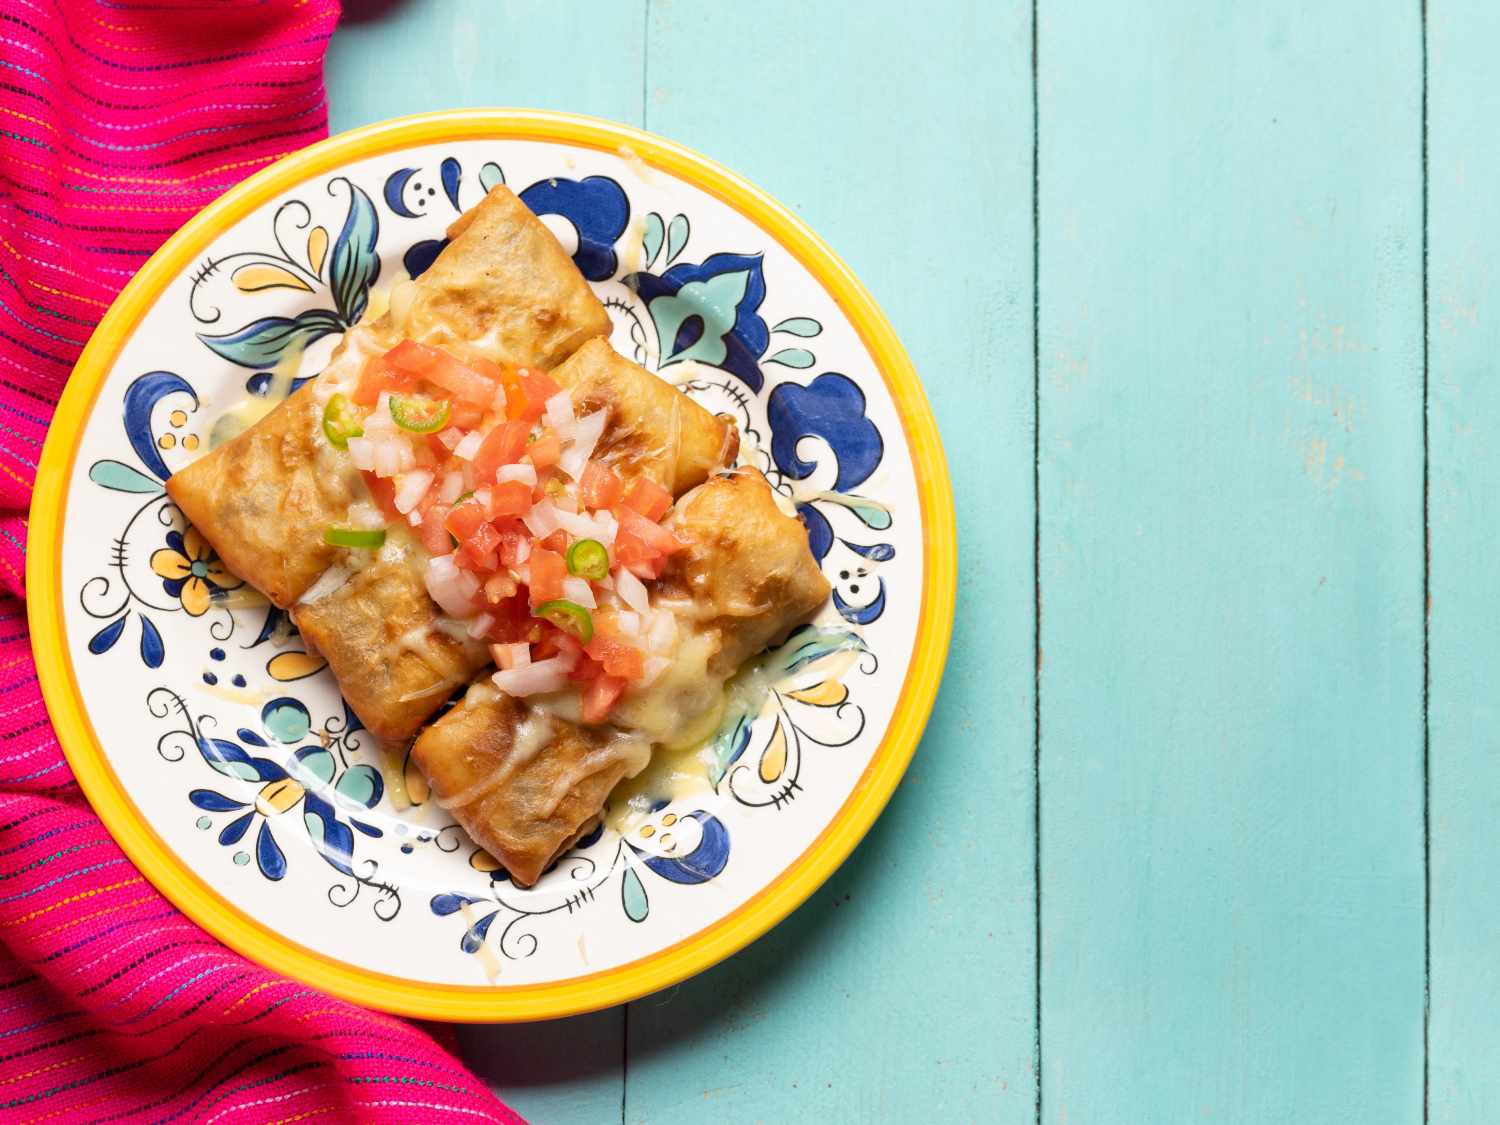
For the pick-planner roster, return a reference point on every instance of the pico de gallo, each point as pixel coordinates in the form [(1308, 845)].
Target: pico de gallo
[(539, 547)]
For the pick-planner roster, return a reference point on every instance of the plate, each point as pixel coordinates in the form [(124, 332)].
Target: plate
[(218, 752)]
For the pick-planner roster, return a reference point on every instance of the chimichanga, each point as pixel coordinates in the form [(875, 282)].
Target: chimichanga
[(525, 779), (503, 289)]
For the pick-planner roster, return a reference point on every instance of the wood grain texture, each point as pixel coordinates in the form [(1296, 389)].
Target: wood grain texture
[(904, 989), (1232, 571), (1464, 460), (395, 57)]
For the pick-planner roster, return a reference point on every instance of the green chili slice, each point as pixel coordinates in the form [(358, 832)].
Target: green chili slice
[(589, 559), (353, 537), (570, 617), (451, 537), (341, 422), (420, 414)]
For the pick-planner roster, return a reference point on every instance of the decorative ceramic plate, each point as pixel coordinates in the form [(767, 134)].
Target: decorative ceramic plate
[(219, 753)]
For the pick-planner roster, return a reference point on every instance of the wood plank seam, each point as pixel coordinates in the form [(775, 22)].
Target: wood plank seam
[(1426, 618), (1036, 557)]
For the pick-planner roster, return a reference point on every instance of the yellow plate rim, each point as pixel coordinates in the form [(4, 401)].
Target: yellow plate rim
[(490, 1003)]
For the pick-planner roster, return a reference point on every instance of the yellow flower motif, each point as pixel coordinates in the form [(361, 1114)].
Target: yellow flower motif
[(190, 571)]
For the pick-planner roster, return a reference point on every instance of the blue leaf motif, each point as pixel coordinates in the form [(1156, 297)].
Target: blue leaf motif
[(235, 830), (105, 638), (451, 172), (704, 862), (232, 761), (212, 801), (809, 644), (598, 209), (731, 741), (394, 192), (474, 938), (332, 838), (819, 531), (262, 342), (268, 856), (490, 174), (419, 256), (141, 398), (354, 265), (446, 904), (260, 382), (274, 618), (831, 407), (248, 735), (120, 477), (880, 552), (716, 321), (677, 236), (153, 652)]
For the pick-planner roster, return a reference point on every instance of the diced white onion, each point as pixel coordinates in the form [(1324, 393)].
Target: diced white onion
[(480, 625), (414, 517), (482, 497), (451, 588), (560, 409), (523, 552), (536, 678), (365, 516), (578, 590), (653, 667), (606, 527), (468, 447), (632, 590), (541, 521), (521, 471), (453, 487), (511, 656), (629, 623), (661, 635), (579, 527), (362, 452), (410, 488), (586, 435), (497, 404), (451, 437)]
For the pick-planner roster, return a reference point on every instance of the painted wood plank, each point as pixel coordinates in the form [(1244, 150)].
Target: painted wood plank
[(394, 58), (1464, 458), (903, 990), (1231, 562)]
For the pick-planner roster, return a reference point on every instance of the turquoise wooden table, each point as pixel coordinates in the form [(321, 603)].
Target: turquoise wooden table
[(1206, 822)]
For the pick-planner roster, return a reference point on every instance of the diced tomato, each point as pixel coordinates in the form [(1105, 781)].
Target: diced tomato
[(545, 451), (380, 376), (617, 657), (466, 415), (480, 547), (513, 622), (464, 519), (509, 498), (441, 369), (431, 531), (498, 587), (486, 367), (652, 535), (557, 541), (547, 573), (600, 697), (384, 493), (585, 670), (599, 487), (503, 445), (648, 498), (512, 536)]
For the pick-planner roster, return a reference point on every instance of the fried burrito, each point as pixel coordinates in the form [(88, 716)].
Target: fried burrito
[(526, 777)]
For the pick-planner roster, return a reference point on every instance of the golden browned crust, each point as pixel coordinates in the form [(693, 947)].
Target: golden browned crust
[(472, 752), (654, 430), (505, 289), (376, 633), (746, 567), (263, 498)]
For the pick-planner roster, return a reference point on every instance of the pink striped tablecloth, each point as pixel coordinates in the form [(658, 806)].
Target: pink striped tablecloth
[(118, 121)]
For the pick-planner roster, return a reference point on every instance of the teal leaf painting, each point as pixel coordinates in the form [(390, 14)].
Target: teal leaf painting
[(355, 265), (260, 344)]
